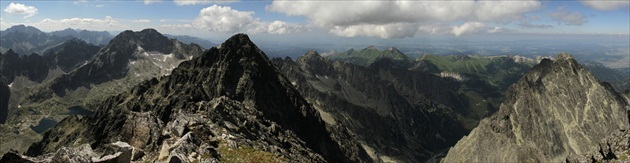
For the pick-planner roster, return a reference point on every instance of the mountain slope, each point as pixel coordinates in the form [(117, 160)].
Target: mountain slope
[(556, 109), (92, 37), (189, 40), (397, 114), (229, 97), (26, 40), (34, 67), (4, 100), (70, 55), (616, 78), (115, 60), (129, 59), (370, 55)]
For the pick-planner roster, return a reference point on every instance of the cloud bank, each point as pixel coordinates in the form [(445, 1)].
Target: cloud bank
[(399, 19)]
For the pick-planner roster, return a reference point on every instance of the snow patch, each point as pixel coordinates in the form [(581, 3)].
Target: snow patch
[(158, 65), (164, 57), (11, 85)]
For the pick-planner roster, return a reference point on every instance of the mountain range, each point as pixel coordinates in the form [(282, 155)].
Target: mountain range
[(25, 40), (74, 76), (146, 97)]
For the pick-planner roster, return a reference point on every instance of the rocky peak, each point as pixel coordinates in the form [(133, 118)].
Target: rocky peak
[(148, 39), (23, 29), (393, 49), (114, 60), (312, 53), (315, 63), (69, 31), (556, 109), (10, 52), (564, 56), (371, 47)]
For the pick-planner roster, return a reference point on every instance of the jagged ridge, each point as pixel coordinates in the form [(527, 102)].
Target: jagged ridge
[(556, 109)]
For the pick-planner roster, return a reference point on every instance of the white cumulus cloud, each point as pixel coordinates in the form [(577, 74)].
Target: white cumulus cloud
[(107, 23), (146, 2), (397, 19), (224, 19), (392, 30), (197, 2), (606, 5), (468, 27), (280, 27), (18, 8), (142, 21), (227, 20)]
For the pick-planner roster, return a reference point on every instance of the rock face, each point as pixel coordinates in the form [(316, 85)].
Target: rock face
[(67, 56), (614, 148), (396, 113), (556, 109), (227, 103), (115, 152), (5, 94), (70, 55), (614, 77), (34, 66), (113, 61)]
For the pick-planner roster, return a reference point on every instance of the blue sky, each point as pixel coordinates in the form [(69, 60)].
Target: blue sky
[(326, 19)]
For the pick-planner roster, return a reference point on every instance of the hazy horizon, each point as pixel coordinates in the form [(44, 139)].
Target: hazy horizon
[(289, 28)]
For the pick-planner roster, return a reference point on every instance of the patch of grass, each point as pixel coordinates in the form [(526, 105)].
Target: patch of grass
[(247, 154)]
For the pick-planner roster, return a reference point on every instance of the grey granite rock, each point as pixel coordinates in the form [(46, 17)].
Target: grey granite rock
[(555, 110)]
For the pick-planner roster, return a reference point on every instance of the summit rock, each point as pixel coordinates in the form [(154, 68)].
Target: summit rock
[(555, 110)]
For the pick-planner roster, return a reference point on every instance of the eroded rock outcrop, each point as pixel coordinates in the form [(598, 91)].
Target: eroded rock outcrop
[(114, 152), (555, 110), (613, 148)]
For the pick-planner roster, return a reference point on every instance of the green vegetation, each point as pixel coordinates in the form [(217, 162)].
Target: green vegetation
[(500, 71), (247, 154), (368, 56), (484, 80)]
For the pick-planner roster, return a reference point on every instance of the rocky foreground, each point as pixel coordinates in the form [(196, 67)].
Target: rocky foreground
[(556, 110)]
